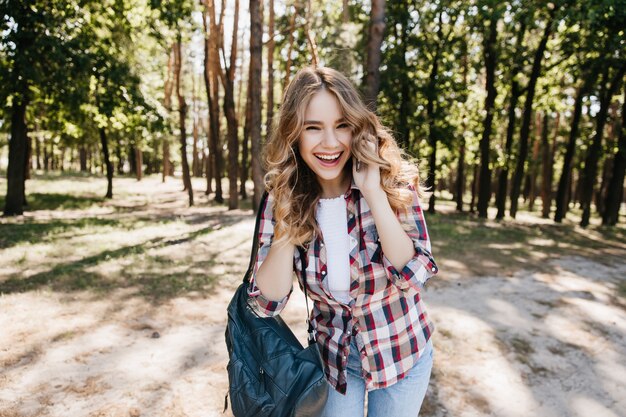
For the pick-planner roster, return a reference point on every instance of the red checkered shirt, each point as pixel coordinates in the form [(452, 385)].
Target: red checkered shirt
[(386, 315)]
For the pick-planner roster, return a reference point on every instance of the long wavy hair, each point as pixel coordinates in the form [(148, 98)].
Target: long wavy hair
[(293, 184)]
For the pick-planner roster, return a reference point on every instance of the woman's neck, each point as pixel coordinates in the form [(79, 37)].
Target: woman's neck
[(335, 188)]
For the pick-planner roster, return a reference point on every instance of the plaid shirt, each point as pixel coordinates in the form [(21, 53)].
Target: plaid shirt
[(386, 315)]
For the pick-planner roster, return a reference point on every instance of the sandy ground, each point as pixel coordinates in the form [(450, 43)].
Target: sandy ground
[(549, 344)]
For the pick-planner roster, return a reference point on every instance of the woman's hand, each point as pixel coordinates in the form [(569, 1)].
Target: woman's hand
[(367, 177)]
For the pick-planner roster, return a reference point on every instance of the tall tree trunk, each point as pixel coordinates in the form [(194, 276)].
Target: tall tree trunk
[(138, 162), (374, 55), (16, 175), (405, 89), (563, 191), (270, 73), (534, 163), (309, 36), (182, 116), (292, 29), (489, 52), (431, 112), (244, 171), (593, 155), (167, 103), (475, 185), (231, 116), (516, 92), (608, 159), (107, 162), (196, 168), (615, 190), (82, 157), (546, 169), (460, 171), (256, 57), (528, 110), (208, 166), (213, 96)]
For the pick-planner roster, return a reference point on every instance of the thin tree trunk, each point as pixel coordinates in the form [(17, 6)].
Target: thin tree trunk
[(460, 171), (292, 29), (374, 55), (107, 162), (231, 117), (256, 57), (615, 190), (563, 193), (214, 111), (182, 116), (167, 103), (489, 51), (244, 172), (546, 172), (270, 73), (534, 163), (528, 110), (593, 155), (431, 112), (309, 36), (196, 168), (138, 162)]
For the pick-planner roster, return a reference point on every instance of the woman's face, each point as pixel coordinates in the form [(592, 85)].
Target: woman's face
[(325, 142)]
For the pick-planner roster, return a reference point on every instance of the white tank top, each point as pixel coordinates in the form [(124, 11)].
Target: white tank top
[(331, 217)]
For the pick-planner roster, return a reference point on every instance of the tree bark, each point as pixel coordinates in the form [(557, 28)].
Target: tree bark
[(374, 55), (546, 169), (563, 190), (593, 155), (615, 189), (182, 116), (528, 110), (244, 169), (431, 112), (231, 117), (107, 162), (16, 175), (270, 73), (540, 138), (292, 29), (138, 162), (256, 57), (489, 51), (213, 98)]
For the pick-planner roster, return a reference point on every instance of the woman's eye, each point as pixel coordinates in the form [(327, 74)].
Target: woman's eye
[(343, 126), (311, 128)]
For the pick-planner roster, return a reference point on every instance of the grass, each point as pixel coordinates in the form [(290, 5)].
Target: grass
[(146, 239)]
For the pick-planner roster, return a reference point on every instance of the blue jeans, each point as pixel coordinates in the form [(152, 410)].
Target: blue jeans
[(402, 399)]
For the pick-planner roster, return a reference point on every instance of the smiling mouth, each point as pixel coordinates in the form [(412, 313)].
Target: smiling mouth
[(329, 158)]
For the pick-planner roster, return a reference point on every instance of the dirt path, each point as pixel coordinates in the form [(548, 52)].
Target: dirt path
[(548, 342)]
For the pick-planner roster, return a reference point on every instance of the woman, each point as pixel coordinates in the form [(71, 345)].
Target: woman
[(340, 187)]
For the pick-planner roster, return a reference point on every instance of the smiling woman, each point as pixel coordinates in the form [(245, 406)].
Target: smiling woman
[(342, 194)]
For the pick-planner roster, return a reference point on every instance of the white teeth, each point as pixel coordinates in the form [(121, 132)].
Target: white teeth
[(328, 157)]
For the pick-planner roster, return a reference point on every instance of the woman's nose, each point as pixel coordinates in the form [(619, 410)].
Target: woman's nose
[(330, 138)]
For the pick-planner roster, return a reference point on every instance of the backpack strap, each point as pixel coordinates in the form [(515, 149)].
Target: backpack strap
[(253, 254)]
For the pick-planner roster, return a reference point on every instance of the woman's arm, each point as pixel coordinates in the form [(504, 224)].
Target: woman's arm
[(271, 282)]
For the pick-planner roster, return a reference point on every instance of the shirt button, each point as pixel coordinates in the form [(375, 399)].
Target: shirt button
[(323, 272), (433, 269), (348, 332)]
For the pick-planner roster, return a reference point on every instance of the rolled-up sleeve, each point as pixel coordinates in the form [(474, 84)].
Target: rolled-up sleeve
[(263, 306), (422, 266)]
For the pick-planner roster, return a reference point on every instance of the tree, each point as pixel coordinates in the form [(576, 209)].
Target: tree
[(528, 109), (615, 191), (490, 35), (375, 39), (254, 85)]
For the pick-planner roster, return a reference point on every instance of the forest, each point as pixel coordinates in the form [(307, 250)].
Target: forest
[(505, 105)]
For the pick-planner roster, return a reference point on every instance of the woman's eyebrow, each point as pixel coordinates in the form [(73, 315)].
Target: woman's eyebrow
[(315, 122)]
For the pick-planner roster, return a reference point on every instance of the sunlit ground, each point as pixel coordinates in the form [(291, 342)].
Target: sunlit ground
[(117, 308)]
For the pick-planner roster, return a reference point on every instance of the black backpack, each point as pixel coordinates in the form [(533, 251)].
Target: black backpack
[(269, 372)]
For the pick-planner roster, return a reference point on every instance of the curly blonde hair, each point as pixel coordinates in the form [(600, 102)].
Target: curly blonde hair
[(293, 184)]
